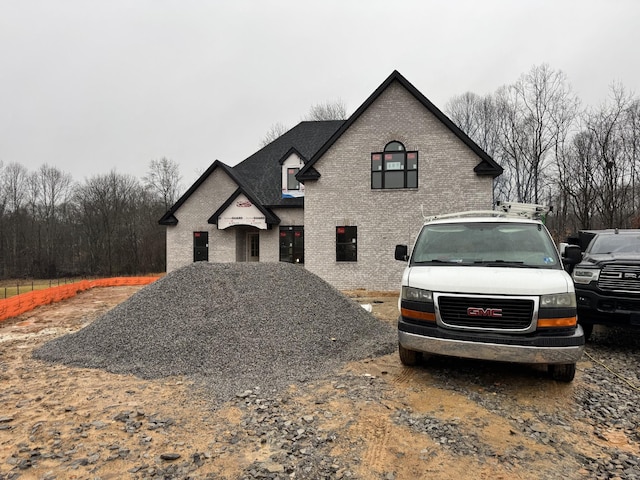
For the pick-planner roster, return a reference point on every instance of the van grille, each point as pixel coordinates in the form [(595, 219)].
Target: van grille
[(517, 314), (620, 277)]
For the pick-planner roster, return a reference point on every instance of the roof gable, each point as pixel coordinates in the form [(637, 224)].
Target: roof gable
[(487, 165), (169, 218), (270, 218), (292, 151)]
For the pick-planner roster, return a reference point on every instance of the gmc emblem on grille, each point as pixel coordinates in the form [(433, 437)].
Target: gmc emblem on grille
[(484, 312)]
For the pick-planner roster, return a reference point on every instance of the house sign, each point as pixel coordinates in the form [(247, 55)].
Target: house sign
[(242, 212)]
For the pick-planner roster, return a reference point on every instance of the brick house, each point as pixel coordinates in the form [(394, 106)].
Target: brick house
[(336, 196)]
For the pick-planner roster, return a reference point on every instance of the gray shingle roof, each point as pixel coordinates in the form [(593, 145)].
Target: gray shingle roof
[(261, 172)]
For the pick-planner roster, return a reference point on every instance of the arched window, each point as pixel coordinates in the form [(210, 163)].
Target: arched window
[(394, 147), (394, 167)]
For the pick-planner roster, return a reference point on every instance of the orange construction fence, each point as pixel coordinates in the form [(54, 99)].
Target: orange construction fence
[(19, 304)]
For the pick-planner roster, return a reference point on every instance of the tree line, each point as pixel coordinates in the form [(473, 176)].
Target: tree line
[(583, 161), (52, 227)]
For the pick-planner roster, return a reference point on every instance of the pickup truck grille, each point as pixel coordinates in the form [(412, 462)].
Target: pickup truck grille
[(620, 277), (481, 312)]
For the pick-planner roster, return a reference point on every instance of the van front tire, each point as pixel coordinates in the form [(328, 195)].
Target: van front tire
[(408, 357), (563, 372)]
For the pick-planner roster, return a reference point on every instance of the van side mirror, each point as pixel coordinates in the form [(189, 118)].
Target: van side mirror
[(402, 253), (561, 247), (573, 240), (572, 255)]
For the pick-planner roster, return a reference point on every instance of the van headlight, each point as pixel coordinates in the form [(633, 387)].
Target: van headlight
[(417, 294), (585, 275), (558, 300)]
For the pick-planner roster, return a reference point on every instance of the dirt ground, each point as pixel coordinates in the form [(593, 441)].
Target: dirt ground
[(81, 414)]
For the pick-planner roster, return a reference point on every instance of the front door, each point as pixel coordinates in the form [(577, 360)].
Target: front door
[(253, 247), (200, 246)]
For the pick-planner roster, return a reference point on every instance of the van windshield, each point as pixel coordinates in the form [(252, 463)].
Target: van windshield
[(486, 244)]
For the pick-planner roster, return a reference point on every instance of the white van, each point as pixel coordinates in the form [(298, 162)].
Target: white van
[(490, 285)]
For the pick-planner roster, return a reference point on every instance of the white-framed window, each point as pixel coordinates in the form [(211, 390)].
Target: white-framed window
[(292, 182), (291, 188)]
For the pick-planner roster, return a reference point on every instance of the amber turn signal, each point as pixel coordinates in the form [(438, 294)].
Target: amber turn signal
[(557, 322), (416, 315)]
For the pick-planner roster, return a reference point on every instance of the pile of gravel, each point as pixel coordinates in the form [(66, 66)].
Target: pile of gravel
[(229, 327)]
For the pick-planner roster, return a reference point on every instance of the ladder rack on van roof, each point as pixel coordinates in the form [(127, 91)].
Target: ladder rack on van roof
[(531, 211)]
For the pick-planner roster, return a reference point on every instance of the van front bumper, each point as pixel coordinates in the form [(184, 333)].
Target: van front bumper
[(542, 349)]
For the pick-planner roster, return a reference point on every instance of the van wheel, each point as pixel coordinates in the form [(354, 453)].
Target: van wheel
[(408, 357), (563, 372)]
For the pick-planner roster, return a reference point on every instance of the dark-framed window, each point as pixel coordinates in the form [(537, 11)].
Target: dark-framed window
[(394, 167), (292, 182), (292, 244), (200, 246), (347, 244)]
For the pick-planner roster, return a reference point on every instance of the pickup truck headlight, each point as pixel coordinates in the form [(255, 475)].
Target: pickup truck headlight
[(416, 294), (558, 300), (585, 275)]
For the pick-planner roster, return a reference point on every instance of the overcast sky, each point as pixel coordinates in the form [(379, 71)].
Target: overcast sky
[(91, 86)]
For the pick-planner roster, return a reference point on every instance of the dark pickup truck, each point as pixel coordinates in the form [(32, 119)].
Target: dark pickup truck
[(607, 280)]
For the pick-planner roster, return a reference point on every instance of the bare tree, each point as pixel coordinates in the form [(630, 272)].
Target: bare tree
[(54, 188), (463, 110), (15, 178), (3, 222), (478, 117), (275, 131), (334, 110), (163, 179), (607, 125), (536, 115), (107, 208), (577, 190), (13, 187), (3, 193), (631, 140)]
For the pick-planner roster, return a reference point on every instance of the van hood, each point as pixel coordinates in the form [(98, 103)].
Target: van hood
[(488, 280)]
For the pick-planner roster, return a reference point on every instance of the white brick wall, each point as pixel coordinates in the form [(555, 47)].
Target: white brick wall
[(224, 245), (343, 194), (192, 217)]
